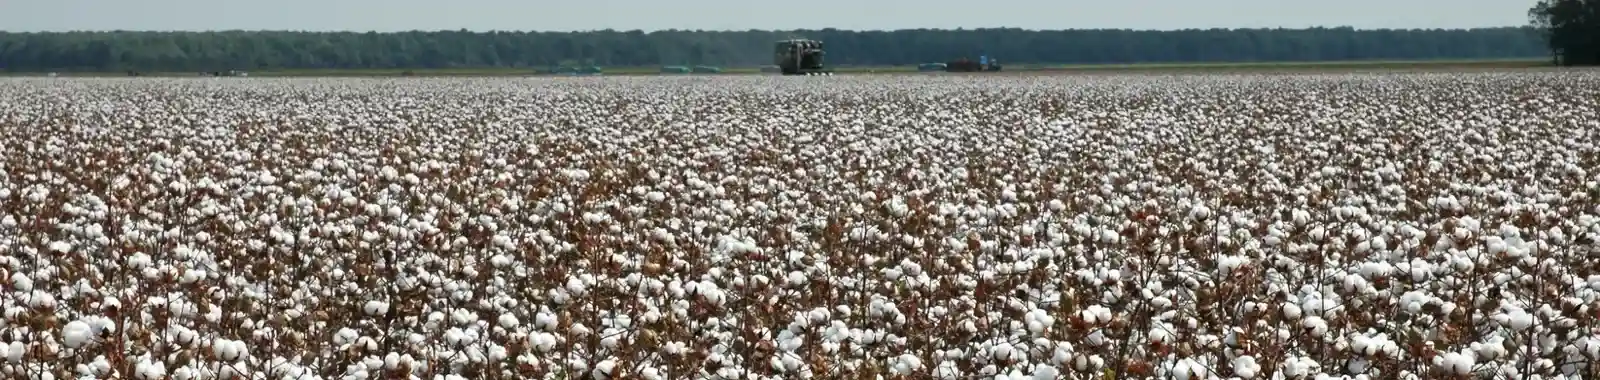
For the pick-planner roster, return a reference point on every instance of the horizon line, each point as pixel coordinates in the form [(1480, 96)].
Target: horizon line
[(616, 30)]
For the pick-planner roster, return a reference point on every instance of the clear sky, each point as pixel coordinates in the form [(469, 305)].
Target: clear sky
[(562, 15)]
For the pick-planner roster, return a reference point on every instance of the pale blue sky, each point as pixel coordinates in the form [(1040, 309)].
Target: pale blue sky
[(391, 15)]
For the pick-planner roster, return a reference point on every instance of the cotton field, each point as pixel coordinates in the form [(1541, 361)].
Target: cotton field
[(1372, 226)]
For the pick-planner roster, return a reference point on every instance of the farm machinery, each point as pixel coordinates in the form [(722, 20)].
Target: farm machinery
[(964, 65), (800, 57)]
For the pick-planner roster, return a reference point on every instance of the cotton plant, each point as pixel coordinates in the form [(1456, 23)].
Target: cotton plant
[(1306, 226)]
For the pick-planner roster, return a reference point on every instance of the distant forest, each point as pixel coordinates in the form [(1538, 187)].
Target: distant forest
[(266, 50)]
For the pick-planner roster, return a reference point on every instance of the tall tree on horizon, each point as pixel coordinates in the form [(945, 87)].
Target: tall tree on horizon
[(1571, 28)]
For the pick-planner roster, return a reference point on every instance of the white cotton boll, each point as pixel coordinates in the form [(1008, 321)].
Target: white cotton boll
[(375, 308), (503, 242), (497, 353), (544, 342), (15, 352), (675, 348), (21, 282), (1045, 372), (651, 373), (655, 196), (40, 299), (947, 370), (1109, 236), (1363, 345), (500, 261), (576, 286), (545, 320), (1318, 234), (1200, 212), (343, 336), (185, 373), (1038, 321), (76, 334), (1314, 326), (796, 279), (1488, 351), (1001, 352), (223, 349), (790, 363), (147, 370), (1246, 367), (1057, 205), (1298, 367), (508, 320), (1516, 320), (1186, 369), (391, 361), (1098, 338), (1085, 363), (905, 364), (1162, 333), (1291, 311), (1455, 362), (1372, 270), (1096, 314), (241, 350), (611, 338), (1227, 264), (192, 275), (867, 196), (1358, 365), (456, 337)]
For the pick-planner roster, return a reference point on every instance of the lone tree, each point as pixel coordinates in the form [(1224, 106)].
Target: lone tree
[(1571, 28)]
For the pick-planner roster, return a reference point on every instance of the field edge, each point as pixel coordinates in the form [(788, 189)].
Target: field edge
[(1200, 67)]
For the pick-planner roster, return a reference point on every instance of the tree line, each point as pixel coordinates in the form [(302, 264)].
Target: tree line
[(1570, 28), (269, 50)]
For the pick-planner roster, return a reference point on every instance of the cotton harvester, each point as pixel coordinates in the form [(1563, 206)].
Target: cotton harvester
[(963, 65), (800, 57)]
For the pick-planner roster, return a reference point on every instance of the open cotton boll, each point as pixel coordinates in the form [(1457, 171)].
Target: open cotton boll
[(1187, 369), (1038, 321), (1492, 349), (15, 352), (375, 307), (947, 370), (1001, 352), (1246, 367), (1294, 367), (1290, 311), (21, 282), (1096, 314), (76, 334), (1454, 363), (1045, 372), (229, 350), (1162, 332), (1515, 319), (508, 321), (905, 364), (1226, 265), (1314, 326), (149, 370)]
